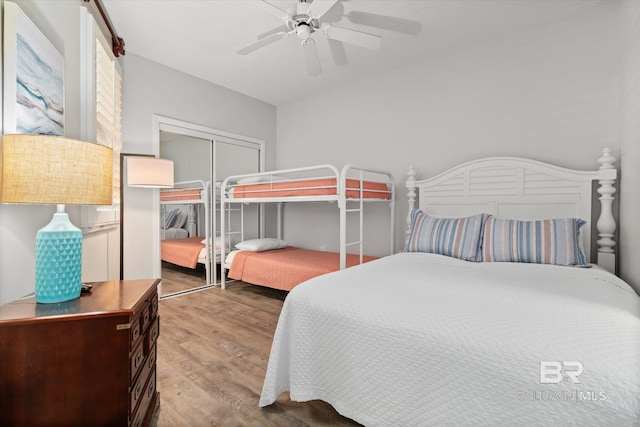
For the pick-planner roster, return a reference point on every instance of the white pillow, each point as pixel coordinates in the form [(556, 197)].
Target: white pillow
[(250, 180), (259, 245), (262, 178)]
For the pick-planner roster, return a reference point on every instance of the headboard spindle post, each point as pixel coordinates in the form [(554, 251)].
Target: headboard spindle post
[(606, 224)]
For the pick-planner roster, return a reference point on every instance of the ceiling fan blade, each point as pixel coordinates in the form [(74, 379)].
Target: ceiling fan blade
[(262, 43), (357, 38), (399, 25), (319, 7), (282, 28), (338, 53), (311, 57), (272, 9)]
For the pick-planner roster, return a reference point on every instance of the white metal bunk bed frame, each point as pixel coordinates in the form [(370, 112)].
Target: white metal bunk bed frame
[(330, 171), (205, 199)]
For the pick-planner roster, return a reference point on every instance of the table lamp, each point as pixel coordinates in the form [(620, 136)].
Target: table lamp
[(44, 169)]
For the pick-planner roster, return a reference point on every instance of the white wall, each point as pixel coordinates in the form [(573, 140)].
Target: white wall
[(150, 88), (629, 229), (550, 93)]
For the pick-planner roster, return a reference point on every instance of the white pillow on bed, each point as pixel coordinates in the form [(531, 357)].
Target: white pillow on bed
[(259, 245), (261, 178), (250, 180)]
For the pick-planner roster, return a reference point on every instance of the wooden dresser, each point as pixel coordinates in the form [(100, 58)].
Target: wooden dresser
[(86, 362)]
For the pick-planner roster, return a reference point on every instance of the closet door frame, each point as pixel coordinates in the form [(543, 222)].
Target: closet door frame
[(181, 127)]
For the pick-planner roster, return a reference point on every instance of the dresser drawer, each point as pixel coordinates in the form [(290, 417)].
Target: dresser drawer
[(146, 317), (145, 399), (138, 388), (154, 305), (152, 335), (136, 331), (136, 361)]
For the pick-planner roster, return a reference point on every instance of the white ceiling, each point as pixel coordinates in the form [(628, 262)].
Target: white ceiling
[(201, 37)]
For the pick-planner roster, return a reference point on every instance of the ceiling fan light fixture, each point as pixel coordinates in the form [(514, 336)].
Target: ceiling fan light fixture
[(303, 31)]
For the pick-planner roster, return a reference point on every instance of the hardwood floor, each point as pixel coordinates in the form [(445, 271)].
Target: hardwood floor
[(212, 357)]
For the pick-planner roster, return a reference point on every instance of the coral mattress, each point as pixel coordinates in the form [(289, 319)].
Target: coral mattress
[(315, 187), (285, 268), (177, 194), (184, 252)]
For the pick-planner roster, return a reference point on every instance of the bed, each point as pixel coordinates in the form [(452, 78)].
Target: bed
[(484, 342), (350, 188), (287, 267), (186, 252)]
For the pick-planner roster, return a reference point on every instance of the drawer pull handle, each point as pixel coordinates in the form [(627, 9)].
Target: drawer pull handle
[(136, 394), (136, 332), (138, 359)]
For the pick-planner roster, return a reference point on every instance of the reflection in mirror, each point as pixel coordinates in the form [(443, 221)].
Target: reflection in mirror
[(189, 224), (185, 213)]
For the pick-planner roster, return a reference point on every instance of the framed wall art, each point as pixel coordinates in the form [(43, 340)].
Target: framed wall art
[(33, 99)]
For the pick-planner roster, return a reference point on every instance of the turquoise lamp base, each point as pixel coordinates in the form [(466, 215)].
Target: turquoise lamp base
[(58, 261)]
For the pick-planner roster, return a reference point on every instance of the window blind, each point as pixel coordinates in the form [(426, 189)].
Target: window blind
[(108, 109)]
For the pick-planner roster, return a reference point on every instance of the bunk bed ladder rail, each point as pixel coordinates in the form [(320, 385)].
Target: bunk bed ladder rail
[(226, 234), (344, 210)]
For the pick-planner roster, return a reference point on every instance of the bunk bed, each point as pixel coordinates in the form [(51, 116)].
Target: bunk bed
[(180, 245), (349, 188)]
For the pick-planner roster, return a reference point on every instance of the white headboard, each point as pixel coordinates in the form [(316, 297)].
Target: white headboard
[(516, 188)]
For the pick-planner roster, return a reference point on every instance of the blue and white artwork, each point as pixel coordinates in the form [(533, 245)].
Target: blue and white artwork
[(39, 82)]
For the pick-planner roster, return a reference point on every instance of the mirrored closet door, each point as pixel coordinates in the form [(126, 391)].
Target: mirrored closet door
[(189, 217)]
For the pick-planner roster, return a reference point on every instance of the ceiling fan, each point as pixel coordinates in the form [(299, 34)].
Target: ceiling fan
[(304, 21)]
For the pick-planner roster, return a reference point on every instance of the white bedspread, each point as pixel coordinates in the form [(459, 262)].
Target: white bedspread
[(418, 339)]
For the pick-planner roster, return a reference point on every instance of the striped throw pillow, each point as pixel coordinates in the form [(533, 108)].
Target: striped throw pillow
[(547, 241), (169, 219), (454, 237)]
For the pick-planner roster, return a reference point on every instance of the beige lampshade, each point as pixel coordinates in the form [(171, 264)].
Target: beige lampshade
[(149, 172), (47, 169)]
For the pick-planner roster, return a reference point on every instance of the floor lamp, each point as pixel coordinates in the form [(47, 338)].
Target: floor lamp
[(146, 171)]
